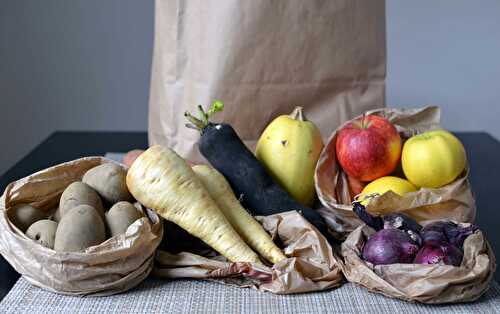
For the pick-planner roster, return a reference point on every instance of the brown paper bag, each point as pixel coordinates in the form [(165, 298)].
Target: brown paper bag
[(113, 266), (262, 58), (422, 283), (310, 266), (453, 201)]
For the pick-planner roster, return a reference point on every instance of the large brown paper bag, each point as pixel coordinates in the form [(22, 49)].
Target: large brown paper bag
[(422, 283), (454, 201), (310, 264), (114, 266), (262, 58)]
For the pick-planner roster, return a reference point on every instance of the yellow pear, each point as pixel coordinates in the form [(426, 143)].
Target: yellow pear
[(289, 149)]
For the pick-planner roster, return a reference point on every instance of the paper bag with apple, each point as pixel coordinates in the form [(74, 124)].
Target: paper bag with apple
[(397, 160)]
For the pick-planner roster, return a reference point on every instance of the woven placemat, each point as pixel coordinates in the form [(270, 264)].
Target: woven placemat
[(195, 296)]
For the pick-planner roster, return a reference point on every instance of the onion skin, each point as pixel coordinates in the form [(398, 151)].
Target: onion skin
[(445, 253), (389, 246), (446, 232), (401, 222)]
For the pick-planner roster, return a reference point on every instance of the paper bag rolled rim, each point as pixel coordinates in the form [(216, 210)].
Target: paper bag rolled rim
[(453, 201), (422, 283), (310, 266), (113, 266)]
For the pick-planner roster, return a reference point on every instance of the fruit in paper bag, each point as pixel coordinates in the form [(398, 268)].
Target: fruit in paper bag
[(433, 159), (389, 183), (355, 186), (289, 149), (368, 148)]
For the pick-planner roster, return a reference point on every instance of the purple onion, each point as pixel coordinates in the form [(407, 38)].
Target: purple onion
[(446, 232), (458, 234), (444, 253), (389, 246)]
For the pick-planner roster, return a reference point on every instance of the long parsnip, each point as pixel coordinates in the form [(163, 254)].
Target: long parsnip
[(248, 228), (162, 180)]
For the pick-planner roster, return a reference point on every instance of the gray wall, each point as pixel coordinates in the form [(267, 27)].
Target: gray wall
[(84, 65), (446, 53), (71, 65)]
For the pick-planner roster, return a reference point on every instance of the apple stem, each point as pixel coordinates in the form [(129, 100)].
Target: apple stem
[(364, 122), (298, 114)]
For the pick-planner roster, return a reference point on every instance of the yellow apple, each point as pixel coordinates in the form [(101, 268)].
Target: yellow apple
[(389, 183), (433, 159)]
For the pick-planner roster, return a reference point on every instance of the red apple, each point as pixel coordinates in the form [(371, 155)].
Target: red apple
[(131, 156), (368, 148), (355, 186)]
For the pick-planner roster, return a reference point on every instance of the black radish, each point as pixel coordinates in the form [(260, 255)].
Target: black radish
[(258, 192)]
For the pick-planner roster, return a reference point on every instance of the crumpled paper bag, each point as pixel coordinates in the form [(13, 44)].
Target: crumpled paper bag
[(113, 266), (310, 266), (454, 201), (422, 283), (262, 58)]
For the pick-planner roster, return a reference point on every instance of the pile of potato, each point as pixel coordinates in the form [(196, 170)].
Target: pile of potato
[(81, 220)]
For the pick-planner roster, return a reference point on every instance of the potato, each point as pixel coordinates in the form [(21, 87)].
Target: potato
[(24, 216), (56, 215), (120, 217), (80, 228), (79, 193), (43, 232), (109, 181)]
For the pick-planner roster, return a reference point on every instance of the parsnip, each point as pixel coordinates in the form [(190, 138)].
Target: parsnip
[(248, 228), (163, 181)]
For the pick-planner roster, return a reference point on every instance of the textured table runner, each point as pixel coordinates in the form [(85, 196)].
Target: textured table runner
[(191, 296), (195, 296)]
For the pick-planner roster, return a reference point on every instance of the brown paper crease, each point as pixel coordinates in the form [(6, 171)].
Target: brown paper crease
[(113, 266), (422, 283), (310, 264), (454, 201), (262, 58)]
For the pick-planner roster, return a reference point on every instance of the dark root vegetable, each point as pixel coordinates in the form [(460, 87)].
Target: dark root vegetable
[(389, 246), (391, 221), (444, 253), (401, 222), (372, 221), (258, 192)]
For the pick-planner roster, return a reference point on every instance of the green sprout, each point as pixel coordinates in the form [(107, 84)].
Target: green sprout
[(201, 122)]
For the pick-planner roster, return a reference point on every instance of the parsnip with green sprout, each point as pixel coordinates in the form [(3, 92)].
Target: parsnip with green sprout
[(248, 228), (160, 179)]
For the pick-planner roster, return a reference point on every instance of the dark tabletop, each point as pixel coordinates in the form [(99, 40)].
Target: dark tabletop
[(483, 151)]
